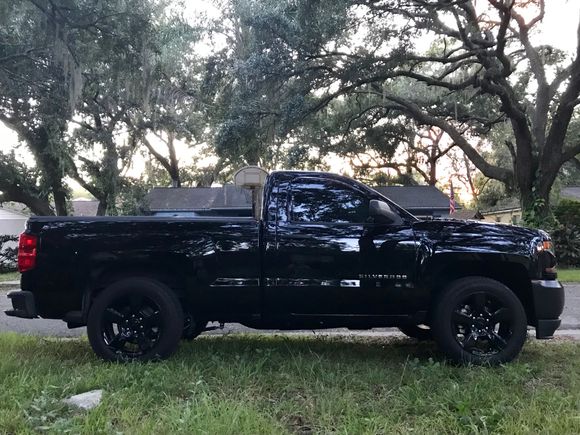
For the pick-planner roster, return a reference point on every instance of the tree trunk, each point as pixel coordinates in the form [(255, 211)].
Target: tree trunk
[(174, 163), (59, 195), (41, 147), (102, 208), (432, 172), (39, 207), (110, 173)]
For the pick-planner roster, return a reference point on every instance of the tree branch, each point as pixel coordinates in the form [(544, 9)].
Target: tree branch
[(491, 171)]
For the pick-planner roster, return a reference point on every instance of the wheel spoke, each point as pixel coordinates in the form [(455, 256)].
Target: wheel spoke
[(497, 340), (500, 315), (114, 316), (152, 319), (461, 318), (504, 330), (470, 341), (118, 341), (144, 343)]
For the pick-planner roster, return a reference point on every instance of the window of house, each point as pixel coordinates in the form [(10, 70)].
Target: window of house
[(320, 200)]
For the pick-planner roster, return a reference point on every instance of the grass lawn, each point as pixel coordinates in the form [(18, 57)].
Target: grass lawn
[(276, 384), (569, 275), (10, 276)]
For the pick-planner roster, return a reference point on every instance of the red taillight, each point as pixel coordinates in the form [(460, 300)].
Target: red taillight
[(26, 252)]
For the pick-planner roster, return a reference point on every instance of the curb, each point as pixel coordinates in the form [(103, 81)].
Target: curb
[(9, 285)]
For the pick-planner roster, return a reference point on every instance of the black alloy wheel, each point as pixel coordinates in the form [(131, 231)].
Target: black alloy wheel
[(418, 332), (136, 319), (479, 320), (482, 324)]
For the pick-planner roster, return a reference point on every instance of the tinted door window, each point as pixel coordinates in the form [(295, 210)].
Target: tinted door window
[(317, 200)]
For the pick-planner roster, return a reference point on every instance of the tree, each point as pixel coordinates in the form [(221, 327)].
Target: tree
[(173, 111), (42, 80), (243, 102), (483, 69), (122, 75), (98, 66), (38, 81)]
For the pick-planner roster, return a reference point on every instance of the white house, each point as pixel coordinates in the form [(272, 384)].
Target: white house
[(12, 222)]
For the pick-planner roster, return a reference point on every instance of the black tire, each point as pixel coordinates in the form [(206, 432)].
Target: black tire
[(192, 328), (136, 319), (479, 320), (418, 332)]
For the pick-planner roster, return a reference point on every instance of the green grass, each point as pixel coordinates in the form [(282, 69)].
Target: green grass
[(569, 275), (275, 384), (9, 276)]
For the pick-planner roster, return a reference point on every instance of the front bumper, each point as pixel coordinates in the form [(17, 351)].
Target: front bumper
[(22, 305), (548, 297)]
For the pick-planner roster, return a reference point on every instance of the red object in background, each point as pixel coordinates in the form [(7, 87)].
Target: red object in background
[(451, 198)]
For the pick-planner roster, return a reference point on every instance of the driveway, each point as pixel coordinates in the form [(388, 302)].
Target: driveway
[(57, 328)]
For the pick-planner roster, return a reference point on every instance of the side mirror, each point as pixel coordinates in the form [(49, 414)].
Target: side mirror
[(383, 214)]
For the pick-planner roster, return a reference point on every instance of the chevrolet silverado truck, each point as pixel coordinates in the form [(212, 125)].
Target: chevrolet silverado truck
[(322, 251)]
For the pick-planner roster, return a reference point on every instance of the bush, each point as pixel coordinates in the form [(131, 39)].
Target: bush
[(568, 212), (566, 234), (8, 254), (567, 241)]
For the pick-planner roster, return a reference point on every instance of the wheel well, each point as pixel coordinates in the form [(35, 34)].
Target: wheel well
[(106, 275), (512, 275)]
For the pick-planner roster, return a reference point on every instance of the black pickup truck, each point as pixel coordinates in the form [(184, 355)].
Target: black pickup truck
[(326, 252)]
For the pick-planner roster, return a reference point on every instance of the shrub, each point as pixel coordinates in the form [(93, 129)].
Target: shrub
[(568, 212), (8, 254), (567, 241), (566, 234)]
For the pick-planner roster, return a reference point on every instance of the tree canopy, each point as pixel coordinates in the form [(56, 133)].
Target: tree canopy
[(481, 71), (393, 88)]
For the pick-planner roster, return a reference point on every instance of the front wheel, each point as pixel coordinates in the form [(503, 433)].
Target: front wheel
[(136, 319), (480, 321)]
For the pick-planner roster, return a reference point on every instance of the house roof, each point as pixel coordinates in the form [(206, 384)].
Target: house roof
[(416, 197), (15, 207), (187, 198), (8, 213), (230, 196), (467, 214), (572, 192), (503, 205)]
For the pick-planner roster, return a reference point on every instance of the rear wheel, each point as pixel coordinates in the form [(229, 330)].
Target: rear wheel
[(479, 320), (418, 332), (136, 319)]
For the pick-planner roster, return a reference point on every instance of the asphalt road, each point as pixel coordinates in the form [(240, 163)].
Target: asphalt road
[(57, 328)]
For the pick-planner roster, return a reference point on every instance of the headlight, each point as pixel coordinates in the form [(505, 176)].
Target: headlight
[(545, 245)]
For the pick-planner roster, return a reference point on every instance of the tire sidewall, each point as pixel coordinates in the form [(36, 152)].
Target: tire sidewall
[(459, 291), (170, 311)]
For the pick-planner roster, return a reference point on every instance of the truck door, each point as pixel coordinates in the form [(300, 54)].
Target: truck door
[(327, 258)]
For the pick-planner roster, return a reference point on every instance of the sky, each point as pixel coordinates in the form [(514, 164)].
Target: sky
[(558, 29)]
